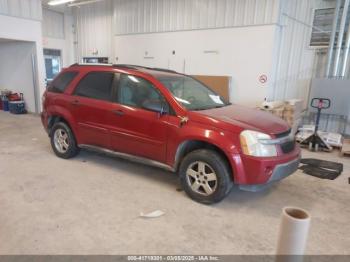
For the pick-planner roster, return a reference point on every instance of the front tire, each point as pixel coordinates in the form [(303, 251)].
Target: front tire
[(63, 141), (205, 176)]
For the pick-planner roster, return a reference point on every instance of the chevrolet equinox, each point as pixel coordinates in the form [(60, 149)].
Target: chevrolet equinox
[(171, 120)]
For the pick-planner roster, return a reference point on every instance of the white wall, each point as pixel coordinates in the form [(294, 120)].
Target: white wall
[(14, 28), (95, 29), (244, 53), (296, 63), (97, 23), (58, 33), (140, 16), (292, 64), (17, 75), (30, 9), (53, 24), (236, 26)]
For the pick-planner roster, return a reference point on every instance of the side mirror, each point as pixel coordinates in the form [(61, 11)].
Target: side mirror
[(156, 106)]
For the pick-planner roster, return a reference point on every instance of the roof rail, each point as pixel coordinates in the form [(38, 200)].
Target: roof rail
[(137, 67), (90, 64), (163, 70)]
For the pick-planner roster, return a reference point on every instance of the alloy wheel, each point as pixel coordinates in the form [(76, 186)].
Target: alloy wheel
[(202, 178), (61, 140)]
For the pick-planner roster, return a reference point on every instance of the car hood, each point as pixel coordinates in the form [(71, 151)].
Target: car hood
[(237, 118)]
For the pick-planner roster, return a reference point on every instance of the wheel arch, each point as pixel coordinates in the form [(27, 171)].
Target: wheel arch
[(191, 145), (55, 118)]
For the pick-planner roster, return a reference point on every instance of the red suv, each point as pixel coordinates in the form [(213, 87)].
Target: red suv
[(170, 120)]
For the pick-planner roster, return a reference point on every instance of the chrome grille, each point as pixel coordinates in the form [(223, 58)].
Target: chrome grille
[(288, 146)]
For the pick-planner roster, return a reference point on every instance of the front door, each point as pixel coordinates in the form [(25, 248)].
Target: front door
[(138, 131)]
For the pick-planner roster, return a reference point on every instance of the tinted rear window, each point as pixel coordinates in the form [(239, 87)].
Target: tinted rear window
[(96, 85), (61, 82)]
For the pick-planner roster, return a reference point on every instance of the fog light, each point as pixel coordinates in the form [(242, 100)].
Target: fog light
[(268, 170)]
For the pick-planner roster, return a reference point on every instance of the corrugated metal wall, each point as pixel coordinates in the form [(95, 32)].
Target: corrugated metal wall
[(30, 9), (94, 29), (297, 62), (53, 24), (146, 16), (97, 23)]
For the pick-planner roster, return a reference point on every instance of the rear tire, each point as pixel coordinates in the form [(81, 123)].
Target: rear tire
[(63, 141), (205, 176)]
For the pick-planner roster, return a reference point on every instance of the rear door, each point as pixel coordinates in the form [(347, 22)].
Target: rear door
[(138, 131), (91, 105)]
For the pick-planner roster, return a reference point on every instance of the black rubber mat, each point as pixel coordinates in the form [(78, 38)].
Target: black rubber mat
[(338, 167), (320, 172)]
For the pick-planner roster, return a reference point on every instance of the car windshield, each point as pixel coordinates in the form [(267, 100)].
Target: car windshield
[(191, 93)]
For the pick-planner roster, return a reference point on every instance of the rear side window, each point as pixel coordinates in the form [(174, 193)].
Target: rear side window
[(61, 82), (97, 85)]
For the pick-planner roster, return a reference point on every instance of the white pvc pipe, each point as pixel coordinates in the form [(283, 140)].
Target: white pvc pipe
[(332, 38), (294, 229), (340, 38), (346, 53)]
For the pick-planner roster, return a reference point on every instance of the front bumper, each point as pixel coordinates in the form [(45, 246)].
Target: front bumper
[(280, 172), (253, 173)]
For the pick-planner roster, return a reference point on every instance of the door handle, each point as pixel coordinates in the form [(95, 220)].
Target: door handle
[(118, 112), (75, 102)]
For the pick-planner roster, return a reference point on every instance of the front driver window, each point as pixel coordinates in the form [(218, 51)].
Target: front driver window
[(191, 93), (136, 92)]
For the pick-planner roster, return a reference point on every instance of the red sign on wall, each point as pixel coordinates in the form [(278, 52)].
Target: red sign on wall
[(263, 79)]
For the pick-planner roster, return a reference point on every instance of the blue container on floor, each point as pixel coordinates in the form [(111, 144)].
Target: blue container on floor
[(17, 107), (5, 105)]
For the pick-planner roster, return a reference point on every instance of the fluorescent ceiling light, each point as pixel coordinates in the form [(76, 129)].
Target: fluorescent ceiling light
[(78, 4), (59, 2)]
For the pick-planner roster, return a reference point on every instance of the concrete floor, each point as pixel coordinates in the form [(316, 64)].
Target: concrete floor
[(91, 205)]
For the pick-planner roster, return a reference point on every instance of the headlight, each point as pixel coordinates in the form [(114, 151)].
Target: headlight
[(252, 146)]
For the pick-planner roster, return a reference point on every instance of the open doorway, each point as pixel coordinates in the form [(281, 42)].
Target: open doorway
[(18, 73), (53, 63)]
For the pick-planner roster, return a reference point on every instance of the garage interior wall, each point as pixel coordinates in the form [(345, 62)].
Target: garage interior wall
[(58, 33), (207, 52), (297, 62), (29, 9), (21, 21), (17, 75), (95, 30), (147, 33), (210, 37)]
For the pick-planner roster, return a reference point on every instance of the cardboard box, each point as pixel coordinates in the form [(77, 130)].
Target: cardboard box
[(290, 111), (220, 84), (345, 150), (293, 109)]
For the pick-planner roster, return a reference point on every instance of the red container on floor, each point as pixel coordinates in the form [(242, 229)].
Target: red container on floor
[(15, 97)]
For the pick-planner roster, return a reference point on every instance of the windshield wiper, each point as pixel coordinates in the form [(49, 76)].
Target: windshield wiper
[(212, 107), (228, 104), (200, 108)]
